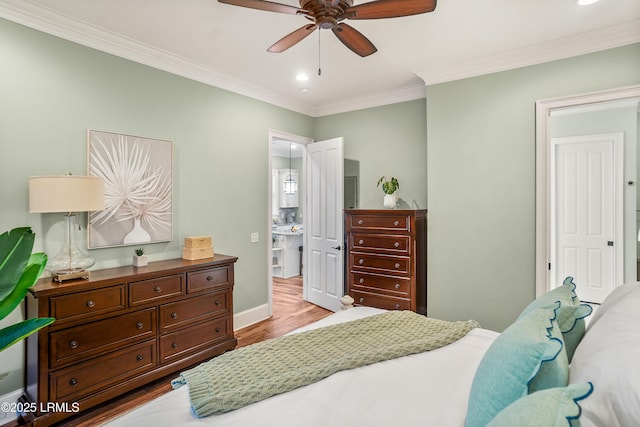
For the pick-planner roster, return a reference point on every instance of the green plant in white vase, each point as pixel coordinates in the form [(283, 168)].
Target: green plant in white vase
[(389, 186), (139, 259)]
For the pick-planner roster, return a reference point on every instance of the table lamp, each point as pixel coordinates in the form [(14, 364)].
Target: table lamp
[(68, 194)]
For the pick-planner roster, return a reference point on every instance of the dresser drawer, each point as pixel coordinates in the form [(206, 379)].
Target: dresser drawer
[(208, 279), (398, 286), (380, 301), (88, 303), (396, 265), (152, 290), (177, 344), (377, 242), (179, 314), (380, 222), (84, 341), (75, 382)]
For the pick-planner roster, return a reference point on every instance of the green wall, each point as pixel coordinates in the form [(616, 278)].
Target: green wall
[(52, 91), (481, 180), (388, 140)]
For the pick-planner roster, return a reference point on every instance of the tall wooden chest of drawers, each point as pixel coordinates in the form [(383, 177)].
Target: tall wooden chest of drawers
[(123, 328), (387, 258)]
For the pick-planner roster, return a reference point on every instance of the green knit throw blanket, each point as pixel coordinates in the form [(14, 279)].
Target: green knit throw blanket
[(250, 374)]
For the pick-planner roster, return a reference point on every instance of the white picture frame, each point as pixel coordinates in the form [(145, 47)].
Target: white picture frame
[(138, 189)]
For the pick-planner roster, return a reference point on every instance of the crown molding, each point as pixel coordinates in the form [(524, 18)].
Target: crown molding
[(395, 96), (53, 23), (42, 19), (579, 44)]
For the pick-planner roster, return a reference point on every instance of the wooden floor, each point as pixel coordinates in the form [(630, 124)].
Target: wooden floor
[(289, 312)]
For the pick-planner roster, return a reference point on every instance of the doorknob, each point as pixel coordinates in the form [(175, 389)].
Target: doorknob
[(336, 247)]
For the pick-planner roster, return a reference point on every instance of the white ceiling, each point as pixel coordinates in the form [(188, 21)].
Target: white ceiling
[(225, 45)]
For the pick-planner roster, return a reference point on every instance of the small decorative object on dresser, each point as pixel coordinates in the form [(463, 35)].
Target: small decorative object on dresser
[(389, 187), (124, 328), (387, 258), (139, 259), (199, 247)]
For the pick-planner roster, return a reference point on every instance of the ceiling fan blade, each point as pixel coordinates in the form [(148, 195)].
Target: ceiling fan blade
[(390, 9), (354, 40), (265, 5), (292, 38)]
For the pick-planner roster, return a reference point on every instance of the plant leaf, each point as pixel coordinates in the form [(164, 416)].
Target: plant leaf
[(27, 279), (14, 333), (15, 249)]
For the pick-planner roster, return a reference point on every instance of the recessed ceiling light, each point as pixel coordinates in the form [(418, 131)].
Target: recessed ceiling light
[(302, 77), (586, 2)]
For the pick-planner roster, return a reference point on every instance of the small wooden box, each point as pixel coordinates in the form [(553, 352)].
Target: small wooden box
[(198, 242), (197, 253)]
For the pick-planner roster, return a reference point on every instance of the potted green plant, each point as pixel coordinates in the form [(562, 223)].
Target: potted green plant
[(19, 270), (389, 186), (140, 259)]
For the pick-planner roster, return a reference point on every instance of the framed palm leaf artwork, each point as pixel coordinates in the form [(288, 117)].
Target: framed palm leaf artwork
[(137, 173)]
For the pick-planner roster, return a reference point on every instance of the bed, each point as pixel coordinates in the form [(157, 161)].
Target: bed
[(441, 387)]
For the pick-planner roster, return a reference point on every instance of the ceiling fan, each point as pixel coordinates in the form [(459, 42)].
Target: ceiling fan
[(330, 14)]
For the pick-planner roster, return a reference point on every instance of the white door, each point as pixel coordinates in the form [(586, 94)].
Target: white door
[(587, 238), (323, 218)]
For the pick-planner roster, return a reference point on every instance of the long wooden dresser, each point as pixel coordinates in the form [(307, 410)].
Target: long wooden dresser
[(123, 328), (387, 258)]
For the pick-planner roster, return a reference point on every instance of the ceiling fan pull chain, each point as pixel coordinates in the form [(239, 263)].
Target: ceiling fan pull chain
[(319, 69)]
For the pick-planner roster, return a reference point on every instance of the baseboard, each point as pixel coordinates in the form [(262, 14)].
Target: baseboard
[(251, 316), (11, 398)]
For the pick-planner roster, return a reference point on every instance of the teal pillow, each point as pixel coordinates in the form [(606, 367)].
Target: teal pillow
[(570, 316), (554, 407), (526, 357)]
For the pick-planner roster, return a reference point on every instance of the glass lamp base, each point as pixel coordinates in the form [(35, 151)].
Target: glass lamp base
[(71, 262)]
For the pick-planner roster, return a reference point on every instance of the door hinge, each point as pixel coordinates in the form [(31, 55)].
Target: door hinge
[(549, 266), (610, 243)]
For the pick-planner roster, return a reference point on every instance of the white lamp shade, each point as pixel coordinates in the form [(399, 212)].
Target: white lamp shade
[(66, 193)]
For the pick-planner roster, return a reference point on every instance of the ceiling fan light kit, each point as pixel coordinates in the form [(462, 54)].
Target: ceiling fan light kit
[(330, 14)]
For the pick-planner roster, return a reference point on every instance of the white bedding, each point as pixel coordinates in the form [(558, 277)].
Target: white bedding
[(427, 389)]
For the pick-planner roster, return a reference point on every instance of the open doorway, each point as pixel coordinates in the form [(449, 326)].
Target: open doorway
[(586, 174), (286, 219)]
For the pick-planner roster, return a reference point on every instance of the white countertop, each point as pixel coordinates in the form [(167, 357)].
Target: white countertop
[(287, 229)]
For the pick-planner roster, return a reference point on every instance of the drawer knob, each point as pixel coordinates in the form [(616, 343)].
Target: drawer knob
[(73, 382), (158, 289), (139, 325), (216, 302), (396, 223), (139, 357), (396, 244), (174, 345), (397, 286), (397, 306), (361, 280), (174, 315), (74, 344), (360, 261), (360, 222), (209, 278), (91, 303), (397, 265), (218, 329), (361, 242), (361, 300)]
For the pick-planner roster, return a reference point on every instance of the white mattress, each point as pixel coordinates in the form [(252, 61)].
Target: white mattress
[(427, 389)]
